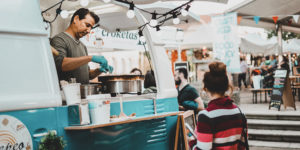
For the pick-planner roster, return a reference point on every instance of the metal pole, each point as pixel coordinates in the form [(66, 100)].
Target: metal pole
[(279, 38)]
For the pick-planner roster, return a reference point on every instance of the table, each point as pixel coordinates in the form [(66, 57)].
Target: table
[(255, 91), (93, 126)]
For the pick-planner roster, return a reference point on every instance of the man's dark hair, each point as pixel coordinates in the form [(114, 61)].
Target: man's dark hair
[(136, 69), (149, 79), (184, 71), (82, 12)]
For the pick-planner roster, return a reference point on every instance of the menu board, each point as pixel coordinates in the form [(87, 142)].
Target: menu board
[(185, 129), (278, 88)]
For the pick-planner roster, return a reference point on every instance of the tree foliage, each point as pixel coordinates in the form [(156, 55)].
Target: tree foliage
[(285, 35)]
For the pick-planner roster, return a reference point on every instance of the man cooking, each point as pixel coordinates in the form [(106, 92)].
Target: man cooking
[(73, 59)]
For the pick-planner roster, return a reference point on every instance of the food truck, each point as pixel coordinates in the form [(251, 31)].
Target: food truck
[(30, 97)]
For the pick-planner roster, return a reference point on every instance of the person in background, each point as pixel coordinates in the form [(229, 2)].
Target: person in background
[(284, 64), (73, 58), (273, 62), (265, 65), (222, 124), (136, 71), (262, 64), (188, 97), (242, 75), (149, 83)]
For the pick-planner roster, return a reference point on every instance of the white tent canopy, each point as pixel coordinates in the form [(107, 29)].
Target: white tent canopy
[(291, 46), (256, 45), (266, 9), (197, 36)]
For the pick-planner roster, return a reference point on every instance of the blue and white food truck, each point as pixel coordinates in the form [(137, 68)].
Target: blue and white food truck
[(31, 104)]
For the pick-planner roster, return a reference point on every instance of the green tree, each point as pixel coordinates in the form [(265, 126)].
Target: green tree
[(285, 35)]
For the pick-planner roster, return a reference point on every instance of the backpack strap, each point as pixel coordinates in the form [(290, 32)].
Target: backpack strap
[(244, 131)]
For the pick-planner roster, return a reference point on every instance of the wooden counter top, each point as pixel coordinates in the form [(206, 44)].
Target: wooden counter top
[(137, 119)]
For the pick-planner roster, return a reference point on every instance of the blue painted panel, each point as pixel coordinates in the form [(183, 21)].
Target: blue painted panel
[(155, 134), (36, 120), (145, 107)]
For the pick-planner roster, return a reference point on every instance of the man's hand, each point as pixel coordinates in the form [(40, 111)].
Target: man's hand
[(107, 68), (181, 107), (100, 59)]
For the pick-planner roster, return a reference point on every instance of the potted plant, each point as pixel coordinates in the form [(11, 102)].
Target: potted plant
[(52, 142)]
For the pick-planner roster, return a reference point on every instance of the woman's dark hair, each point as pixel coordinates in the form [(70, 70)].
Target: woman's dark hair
[(82, 12), (149, 79), (136, 69), (216, 79), (267, 57)]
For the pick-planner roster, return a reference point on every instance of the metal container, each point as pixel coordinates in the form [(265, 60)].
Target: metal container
[(115, 84), (124, 86), (89, 89)]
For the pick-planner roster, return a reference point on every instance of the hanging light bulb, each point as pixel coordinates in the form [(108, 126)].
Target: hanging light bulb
[(84, 3), (142, 38), (158, 31), (175, 19), (157, 28), (184, 12), (106, 1), (130, 12), (153, 21), (64, 14)]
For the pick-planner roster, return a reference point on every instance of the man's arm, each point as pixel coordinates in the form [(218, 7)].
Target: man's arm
[(200, 103), (69, 64)]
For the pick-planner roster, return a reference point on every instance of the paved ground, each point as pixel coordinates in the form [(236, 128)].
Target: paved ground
[(268, 148), (247, 106)]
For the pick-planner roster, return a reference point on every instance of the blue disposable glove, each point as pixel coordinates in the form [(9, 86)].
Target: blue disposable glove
[(100, 60), (107, 68), (190, 105), (110, 69)]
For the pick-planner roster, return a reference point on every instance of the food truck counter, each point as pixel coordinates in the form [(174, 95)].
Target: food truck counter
[(148, 130)]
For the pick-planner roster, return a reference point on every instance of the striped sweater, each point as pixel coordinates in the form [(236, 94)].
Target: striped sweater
[(219, 126)]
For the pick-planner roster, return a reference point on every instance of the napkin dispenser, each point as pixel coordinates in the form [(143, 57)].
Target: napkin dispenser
[(78, 114)]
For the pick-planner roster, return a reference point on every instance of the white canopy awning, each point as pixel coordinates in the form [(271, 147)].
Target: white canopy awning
[(113, 15), (266, 9), (291, 46), (256, 45)]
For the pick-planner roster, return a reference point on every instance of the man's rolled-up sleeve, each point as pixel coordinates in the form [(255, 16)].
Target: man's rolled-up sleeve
[(60, 45)]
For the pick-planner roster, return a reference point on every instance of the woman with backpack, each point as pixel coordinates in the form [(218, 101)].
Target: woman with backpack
[(221, 125)]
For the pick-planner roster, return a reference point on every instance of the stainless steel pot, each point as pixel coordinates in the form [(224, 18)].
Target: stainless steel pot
[(123, 86), (115, 84), (89, 89)]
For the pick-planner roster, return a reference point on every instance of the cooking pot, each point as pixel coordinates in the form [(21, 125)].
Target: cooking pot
[(89, 89), (128, 83)]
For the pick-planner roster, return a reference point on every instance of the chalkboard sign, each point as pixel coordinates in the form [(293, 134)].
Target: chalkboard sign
[(185, 129), (278, 88)]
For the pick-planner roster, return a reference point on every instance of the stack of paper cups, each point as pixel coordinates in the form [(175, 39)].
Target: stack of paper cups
[(72, 93), (99, 110)]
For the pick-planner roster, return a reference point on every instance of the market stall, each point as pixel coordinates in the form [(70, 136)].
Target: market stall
[(37, 103)]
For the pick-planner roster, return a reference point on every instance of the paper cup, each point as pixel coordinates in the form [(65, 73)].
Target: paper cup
[(99, 111), (72, 93)]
